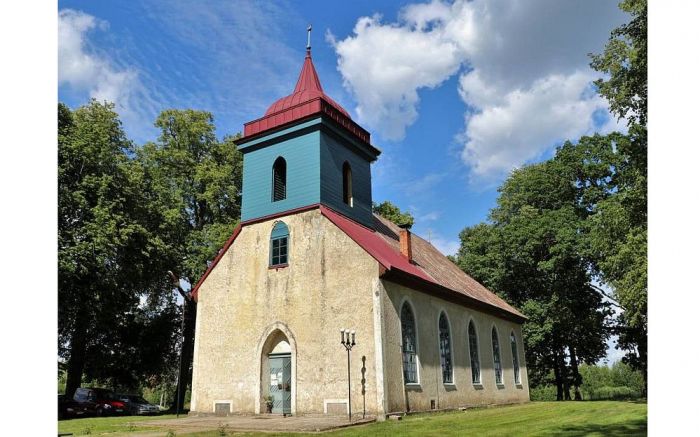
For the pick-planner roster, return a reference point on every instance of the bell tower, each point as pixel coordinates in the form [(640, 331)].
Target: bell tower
[(306, 150)]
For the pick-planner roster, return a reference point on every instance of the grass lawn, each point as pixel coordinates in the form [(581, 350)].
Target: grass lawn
[(591, 418), (104, 425)]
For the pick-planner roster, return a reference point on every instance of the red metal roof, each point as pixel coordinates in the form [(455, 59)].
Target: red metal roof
[(374, 244), (446, 274), (308, 88), (307, 99), (428, 263)]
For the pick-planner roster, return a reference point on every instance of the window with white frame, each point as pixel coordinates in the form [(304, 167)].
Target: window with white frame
[(516, 362), (408, 334), (498, 370), (474, 354), (445, 349)]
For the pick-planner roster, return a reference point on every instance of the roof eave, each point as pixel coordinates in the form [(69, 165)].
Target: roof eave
[(404, 278)]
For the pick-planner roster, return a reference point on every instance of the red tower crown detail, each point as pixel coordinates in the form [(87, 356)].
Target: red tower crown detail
[(307, 99)]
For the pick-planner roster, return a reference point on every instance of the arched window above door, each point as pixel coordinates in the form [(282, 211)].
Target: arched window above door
[(279, 245)]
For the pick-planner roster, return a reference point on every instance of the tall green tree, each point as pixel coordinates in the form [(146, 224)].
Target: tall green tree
[(624, 60), (618, 231), (109, 302), (194, 181), (531, 253), (393, 213), (580, 218)]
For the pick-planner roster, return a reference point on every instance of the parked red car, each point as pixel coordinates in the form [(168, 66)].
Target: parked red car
[(100, 401)]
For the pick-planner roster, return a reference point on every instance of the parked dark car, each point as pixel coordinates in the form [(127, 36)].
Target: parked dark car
[(136, 404), (68, 408), (99, 401)]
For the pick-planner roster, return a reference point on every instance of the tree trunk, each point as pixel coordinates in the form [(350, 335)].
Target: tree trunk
[(557, 378), (642, 351), (187, 351), (76, 362), (566, 380), (576, 374), (563, 378)]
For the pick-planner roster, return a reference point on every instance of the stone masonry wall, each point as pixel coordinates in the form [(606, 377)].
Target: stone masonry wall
[(328, 285), (430, 387)]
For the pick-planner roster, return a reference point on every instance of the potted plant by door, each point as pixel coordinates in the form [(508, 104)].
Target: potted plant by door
[(269, 401)]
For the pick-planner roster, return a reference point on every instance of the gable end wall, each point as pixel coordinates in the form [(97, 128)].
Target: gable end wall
[(330, 284)]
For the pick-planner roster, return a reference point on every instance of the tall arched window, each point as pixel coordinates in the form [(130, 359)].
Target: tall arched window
[(498, 370), (474, 354), (408, 334), (445, 349), (279, 244), (279, 179), (516, 362), (347, 184)]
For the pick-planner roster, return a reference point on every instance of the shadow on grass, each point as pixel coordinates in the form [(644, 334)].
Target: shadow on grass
[(626, 401), (630, 428)]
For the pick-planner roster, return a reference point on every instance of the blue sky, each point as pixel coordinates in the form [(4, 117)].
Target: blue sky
[(455, 94), (452, 99)]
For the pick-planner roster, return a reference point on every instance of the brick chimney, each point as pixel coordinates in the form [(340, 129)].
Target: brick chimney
[(405, 242)]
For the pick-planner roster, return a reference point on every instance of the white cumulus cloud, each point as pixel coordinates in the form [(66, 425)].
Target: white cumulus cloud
[(384, 77), (515, 126), (522, 66), (86, 71)]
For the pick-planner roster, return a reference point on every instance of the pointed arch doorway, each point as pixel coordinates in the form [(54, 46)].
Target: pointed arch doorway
[(277, 371)]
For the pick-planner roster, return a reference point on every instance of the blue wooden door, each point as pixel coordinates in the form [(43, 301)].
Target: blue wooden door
[(281, 383)]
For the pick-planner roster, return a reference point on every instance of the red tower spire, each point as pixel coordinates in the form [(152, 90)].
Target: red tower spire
[(308, 78), (306, 100)]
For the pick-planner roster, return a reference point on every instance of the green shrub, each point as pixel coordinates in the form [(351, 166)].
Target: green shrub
[(614, 394), (622, 375), (543, 393), (617, 382)]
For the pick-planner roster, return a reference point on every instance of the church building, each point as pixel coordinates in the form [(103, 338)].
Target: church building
[(310, 260)]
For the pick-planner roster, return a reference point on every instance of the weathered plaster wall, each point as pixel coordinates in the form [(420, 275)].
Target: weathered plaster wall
[(329, 285), (462, 393)]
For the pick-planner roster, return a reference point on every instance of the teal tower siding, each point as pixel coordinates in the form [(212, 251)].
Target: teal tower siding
[(335, 151), (317, 140), (315, 152), (301, 152)]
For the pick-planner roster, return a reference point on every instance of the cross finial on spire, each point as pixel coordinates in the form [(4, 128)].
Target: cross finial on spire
[(308, 41)]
